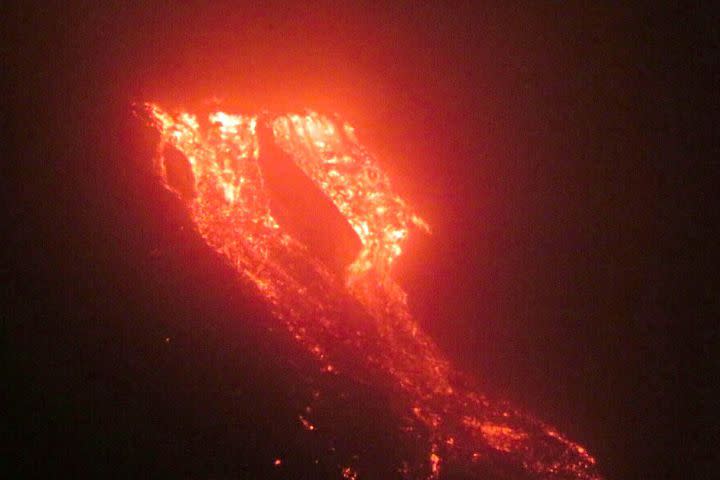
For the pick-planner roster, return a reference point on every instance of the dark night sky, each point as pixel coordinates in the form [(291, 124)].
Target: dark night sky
[(564, 154)]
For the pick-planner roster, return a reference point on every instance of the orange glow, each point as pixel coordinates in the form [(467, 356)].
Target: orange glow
[(502, 437), (434, 462), (349, 473), (306, 423), (230, 206)]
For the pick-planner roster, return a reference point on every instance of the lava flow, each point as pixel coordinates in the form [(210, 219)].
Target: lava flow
[(227, 194)]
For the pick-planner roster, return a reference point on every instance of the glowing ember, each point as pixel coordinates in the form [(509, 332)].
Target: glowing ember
[(349, 473), (228, 199)]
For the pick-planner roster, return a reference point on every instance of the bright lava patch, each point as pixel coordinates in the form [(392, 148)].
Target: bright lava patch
[(229, 202)]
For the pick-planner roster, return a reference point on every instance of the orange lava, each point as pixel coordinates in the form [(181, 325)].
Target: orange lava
[(230, 207)]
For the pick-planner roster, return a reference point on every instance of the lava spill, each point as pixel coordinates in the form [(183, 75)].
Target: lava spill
[(215, 165)]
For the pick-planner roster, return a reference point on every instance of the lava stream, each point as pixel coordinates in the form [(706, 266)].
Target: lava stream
[(229, 202)]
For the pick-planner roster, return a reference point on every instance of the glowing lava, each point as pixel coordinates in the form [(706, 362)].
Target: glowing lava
[(229, 202)]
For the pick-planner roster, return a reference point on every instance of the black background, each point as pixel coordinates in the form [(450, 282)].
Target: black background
[(560, 152)]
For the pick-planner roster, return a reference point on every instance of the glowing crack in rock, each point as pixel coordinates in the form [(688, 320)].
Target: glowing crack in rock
[(229, 202)]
